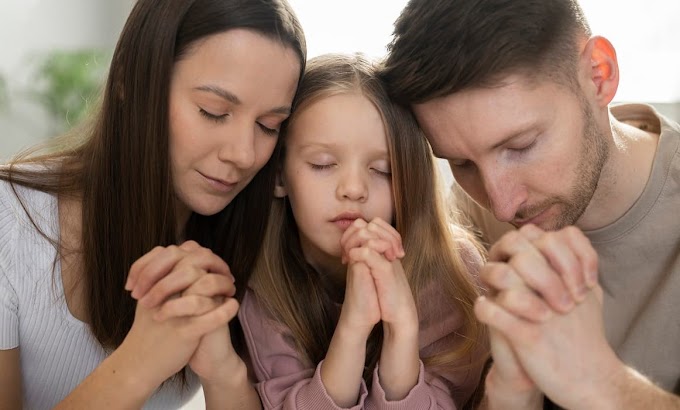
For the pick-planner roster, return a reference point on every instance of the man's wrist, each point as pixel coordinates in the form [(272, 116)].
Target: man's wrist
[(500, 396)]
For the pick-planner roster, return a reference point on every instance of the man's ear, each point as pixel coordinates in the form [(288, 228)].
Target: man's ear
[(600, 70), (279, 188)]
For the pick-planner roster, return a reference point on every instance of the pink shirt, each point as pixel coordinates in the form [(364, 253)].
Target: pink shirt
[(286, 381)]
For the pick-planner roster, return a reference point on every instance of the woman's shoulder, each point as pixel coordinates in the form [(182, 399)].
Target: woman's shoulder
[(19, 204)]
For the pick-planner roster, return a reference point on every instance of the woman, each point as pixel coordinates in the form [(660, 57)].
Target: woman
[(179, 150)]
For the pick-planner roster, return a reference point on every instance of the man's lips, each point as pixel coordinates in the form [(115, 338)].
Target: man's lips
[(535, 219)]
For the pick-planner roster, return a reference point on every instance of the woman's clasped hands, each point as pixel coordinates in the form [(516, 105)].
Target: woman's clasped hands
[(185, 299)]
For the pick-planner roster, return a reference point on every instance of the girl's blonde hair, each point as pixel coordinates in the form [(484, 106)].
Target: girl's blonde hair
[(292, 291)]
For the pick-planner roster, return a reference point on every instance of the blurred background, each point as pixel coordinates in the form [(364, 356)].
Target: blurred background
[(55, 54)]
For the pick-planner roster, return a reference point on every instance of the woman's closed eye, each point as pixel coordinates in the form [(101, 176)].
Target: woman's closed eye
[(219, 118), (267, 130)]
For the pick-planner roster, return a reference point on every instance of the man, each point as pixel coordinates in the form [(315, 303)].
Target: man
[(515, 94)]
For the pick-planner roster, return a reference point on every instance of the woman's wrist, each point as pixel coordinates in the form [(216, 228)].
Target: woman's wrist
[(129, 373), (233, 375)]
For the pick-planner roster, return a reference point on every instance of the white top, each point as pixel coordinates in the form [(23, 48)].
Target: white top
[(57, 351)]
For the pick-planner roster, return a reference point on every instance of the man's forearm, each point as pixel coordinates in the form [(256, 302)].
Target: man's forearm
[(630, 390)]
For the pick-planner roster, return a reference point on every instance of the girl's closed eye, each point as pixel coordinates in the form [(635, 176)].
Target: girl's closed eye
[(382, 168), (382, 171), (321, 166)]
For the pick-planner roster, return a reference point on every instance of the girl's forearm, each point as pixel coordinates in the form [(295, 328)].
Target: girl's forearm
[(342, 369), (399, 362)]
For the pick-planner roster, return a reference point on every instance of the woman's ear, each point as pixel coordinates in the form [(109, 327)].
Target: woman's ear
[(601, 69), (279, 188)]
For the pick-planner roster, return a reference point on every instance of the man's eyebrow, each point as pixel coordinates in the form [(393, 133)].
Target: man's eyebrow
[(231, 97)]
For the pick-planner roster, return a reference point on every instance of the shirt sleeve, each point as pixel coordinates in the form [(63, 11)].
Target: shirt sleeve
[(9, 305), (284, 381)]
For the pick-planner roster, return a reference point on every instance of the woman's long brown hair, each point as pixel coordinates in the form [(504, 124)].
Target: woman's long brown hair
[(291, 290), (118, 165)]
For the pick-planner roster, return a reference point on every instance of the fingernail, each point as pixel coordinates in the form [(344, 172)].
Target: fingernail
[(128, 285), (567, 301), (135, 293)]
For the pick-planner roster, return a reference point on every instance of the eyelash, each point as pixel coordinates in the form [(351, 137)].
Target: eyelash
[(329, 166), (212, 117), (221, 118), (321, 167), (382, 173), (523, 149), (269, 131)]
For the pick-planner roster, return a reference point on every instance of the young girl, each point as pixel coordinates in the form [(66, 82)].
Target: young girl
[(356, 177), (196, 95)]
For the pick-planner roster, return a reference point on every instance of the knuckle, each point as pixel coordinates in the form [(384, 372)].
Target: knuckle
[(573, 232)]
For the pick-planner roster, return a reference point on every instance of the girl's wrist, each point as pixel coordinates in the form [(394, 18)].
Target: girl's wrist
[(353, 332), (406, 330)]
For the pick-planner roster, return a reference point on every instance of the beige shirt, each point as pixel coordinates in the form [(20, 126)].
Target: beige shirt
[(639, 258)]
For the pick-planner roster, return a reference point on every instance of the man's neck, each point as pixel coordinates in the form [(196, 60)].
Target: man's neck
[(623, 177)]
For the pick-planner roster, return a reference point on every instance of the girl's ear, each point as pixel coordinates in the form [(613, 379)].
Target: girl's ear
[(279, 188)]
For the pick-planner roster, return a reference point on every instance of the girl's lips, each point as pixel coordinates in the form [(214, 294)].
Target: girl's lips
[(343, 223), (345, 219)]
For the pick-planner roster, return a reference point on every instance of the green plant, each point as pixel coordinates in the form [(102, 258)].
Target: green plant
[(67, 83)]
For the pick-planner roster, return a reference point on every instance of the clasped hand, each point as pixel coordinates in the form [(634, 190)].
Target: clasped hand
[(185, 301), (544, 310), (376, 286)]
